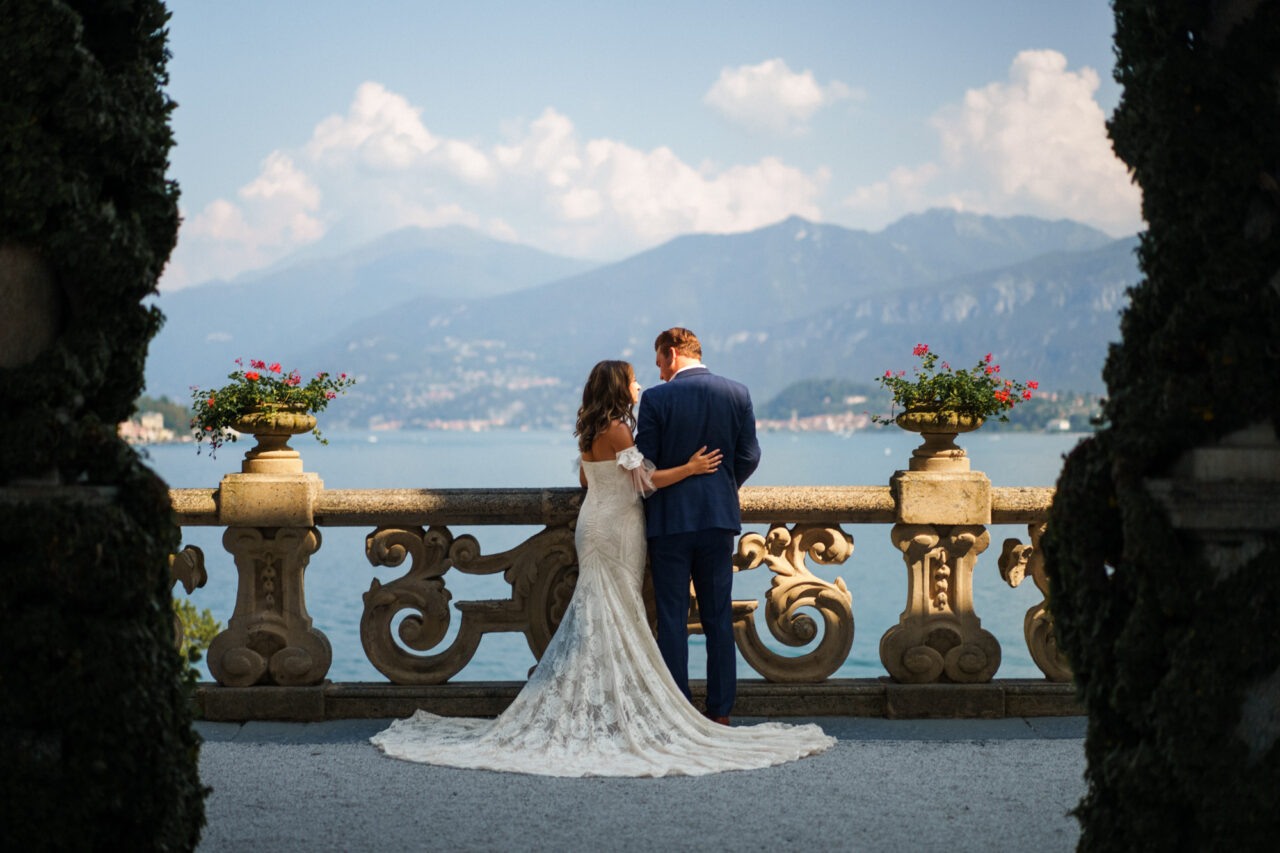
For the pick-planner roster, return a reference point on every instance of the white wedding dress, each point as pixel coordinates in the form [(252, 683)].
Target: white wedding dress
[(601, 701)]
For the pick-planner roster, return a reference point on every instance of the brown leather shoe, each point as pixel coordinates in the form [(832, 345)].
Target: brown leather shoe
[(724, 721)]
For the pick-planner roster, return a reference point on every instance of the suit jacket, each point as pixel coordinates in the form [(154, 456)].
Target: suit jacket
[(697, 408)]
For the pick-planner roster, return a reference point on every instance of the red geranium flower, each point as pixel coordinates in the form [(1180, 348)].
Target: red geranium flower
[(252, 376)]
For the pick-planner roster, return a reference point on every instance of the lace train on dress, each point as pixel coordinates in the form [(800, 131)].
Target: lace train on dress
[(601, 701)]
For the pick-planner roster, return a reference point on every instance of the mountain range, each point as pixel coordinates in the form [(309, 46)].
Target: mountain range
[(446, 324)]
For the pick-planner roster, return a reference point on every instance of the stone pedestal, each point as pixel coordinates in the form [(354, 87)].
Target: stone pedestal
[(271, 534), (941, 531), (1226, 500), (1228, 495)]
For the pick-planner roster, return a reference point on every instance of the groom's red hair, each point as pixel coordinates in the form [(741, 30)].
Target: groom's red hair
[(685, 342)]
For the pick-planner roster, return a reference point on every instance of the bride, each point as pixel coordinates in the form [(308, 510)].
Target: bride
[(601, 701)]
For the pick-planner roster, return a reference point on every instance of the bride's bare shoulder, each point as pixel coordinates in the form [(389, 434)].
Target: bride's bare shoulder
[(613, 440), (619, 437)]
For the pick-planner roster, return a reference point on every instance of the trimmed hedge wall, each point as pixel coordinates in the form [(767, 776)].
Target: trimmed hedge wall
[(1166, 653), (95, 730)]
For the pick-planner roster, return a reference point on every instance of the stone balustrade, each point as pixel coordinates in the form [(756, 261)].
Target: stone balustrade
[(273, 514)]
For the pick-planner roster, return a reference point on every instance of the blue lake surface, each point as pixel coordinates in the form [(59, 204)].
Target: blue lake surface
[(876, 576)]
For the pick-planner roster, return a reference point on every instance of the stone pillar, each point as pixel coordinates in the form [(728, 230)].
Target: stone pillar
[(271, 534), (941, 515), (33, 315)]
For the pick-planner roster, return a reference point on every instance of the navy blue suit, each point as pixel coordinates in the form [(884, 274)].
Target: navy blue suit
[(691, 525)]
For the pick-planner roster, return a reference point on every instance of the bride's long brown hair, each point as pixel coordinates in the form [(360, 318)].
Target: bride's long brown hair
[(605, 398)]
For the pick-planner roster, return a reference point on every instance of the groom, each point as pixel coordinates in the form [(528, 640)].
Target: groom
[(692, 524)]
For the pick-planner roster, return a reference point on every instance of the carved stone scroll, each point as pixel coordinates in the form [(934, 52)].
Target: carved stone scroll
[(1016, 561), (793, 588), (938, 636), (187, 566), (269, 638), (542, 572)]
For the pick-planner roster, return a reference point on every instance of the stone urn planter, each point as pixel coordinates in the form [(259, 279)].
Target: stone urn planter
[(273, 429), (939, 429)]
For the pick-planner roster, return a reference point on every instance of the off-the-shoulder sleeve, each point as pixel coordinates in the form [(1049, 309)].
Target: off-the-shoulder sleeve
[(640, 469)]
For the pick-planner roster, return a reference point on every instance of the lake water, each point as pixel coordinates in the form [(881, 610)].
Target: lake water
[(339, 574)]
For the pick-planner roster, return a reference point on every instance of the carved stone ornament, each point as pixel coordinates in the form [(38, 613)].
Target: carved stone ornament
[(187, 566), (542, 572), (793, 588), (269, 638), (938, 636), (1016, 561)]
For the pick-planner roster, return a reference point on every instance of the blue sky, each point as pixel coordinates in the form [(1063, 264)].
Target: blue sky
[(601, 129)]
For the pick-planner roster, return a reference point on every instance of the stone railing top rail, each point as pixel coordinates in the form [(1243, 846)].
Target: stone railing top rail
[(760, 504)]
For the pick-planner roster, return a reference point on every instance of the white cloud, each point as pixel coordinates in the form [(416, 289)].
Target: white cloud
[(1036, 144), (549, 148), (275, 215), (904, 189), (656, 195), (1041, 138), (617, 196), (467, 162), (772, 97), (382, 128), (378, 168), (220, 220)]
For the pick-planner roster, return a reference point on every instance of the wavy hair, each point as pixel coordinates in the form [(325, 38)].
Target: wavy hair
[(605, 398)]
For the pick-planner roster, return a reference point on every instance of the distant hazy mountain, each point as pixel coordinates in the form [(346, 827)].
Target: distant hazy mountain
[(1048, 319), (948, 242), (789, 301), (278, 314)]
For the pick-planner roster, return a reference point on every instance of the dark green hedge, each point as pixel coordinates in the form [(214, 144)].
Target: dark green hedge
[(96, 741), (95, 731), (84, 142), (1165, 652)]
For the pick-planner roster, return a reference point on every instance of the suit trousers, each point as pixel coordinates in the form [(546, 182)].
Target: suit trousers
[(706, 558)]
